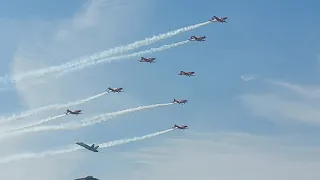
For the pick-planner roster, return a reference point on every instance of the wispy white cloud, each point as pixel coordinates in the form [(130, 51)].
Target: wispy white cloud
[(282, 105), (306, 91), (249, 77), (88, 17), (224, 156), (278, 109)]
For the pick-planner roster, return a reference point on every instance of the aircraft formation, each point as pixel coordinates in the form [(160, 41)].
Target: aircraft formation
[(94, 148), (77, 112)]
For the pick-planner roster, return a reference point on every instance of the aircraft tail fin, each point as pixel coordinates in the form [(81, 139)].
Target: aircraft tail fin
[(92, 146), (96, 147)]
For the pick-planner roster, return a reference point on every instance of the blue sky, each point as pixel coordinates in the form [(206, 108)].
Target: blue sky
[(235, 125)]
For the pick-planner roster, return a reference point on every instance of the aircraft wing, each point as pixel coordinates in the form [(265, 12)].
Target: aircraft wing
[(83, 145), (87, 178)]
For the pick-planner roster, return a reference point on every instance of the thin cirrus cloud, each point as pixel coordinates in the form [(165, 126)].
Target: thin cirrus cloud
[(226, 156), (248, 77), (282, 105)]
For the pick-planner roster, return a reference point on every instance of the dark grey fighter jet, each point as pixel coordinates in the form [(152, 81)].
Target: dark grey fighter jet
[(91, 148), (87, 178)]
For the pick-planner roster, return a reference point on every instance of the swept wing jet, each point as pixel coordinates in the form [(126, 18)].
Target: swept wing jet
[(75, 112), (90, 148), (149, 60), (180, 101), (118, 90), (221, 20), (87, 178), (190, 73), (183, 127), (199, 38)]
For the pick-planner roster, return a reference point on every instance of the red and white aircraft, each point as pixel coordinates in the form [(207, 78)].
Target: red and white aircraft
[(183, 127), (180, 101), (190, 73), (75, 112), (118, 90), (149, 60), (195, 38), (216, 19)]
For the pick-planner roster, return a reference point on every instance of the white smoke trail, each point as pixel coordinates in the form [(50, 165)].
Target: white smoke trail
[(102, 55), (125, 141), (91, 121), (32, 124), (141, 43), (75, 148), (77, 66), (36, 155), (50, 107), (136, 54), (105, 117)]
